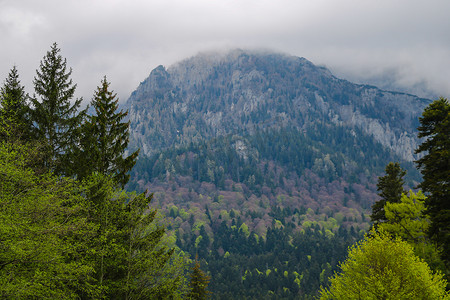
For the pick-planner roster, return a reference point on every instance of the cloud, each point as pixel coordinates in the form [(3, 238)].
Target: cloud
[(365, 41)]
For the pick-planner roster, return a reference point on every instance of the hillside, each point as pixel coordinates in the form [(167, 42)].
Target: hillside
[(261, 162), (211, 95)]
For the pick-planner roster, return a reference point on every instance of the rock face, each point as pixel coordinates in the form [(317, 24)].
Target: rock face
[(239, 92)]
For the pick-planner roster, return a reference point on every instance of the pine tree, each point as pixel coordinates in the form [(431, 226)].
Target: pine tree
[(390, 189), (14, 110), (55, 118), (435, 169), (199, 283), (104, 139)]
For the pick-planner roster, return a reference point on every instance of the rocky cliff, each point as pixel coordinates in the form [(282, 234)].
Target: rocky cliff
[(238, 92)]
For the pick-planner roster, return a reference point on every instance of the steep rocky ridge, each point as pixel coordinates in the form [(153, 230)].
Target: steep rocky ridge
[(232, 93)]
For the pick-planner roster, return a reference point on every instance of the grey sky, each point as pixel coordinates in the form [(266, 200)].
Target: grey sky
[(399, 43)]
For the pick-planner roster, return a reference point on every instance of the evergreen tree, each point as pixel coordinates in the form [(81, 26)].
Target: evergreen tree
[(55, 118), (199, 283), (390, 189), (435, 169), (130, 256), (14, 110), (104, 139)]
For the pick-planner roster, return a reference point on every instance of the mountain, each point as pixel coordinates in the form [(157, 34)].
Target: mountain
[(266, 165), (217, 94)]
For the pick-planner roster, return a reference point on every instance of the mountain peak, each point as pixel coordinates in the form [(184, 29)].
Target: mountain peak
[(219, 93)]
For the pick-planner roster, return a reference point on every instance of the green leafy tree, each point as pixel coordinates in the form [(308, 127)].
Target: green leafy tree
[(61, 239), (435, 168), (199, 283), (382, 267), (104, 139), (15, 121), (42, 232), (56, 119), (407, 219), (390, 189)]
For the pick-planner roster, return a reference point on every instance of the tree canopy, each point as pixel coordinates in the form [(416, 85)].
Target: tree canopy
[(383, 267), (63, 237)]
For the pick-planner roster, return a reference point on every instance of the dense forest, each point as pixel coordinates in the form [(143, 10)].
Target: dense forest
[(271, 213), (67, 228)]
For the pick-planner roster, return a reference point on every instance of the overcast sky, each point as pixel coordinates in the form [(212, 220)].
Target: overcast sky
[(399, 43)]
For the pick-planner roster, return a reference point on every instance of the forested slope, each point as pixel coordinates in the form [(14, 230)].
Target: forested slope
[(266, 165)]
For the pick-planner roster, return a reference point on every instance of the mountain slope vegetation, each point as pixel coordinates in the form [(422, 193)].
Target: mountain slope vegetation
[(252, 154)]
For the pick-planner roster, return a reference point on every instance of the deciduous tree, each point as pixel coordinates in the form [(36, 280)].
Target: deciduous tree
[(382, 267), (42, 232), (407, 219)]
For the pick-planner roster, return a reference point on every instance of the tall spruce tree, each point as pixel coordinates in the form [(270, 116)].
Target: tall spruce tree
[(199, 283), (55, 117), (390, 189), (104, 139), (435, 168), (15, 121), (129, 251)]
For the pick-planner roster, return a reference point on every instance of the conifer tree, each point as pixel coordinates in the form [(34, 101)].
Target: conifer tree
[(390, 189), (199, 283), (131, 257), (435, 169), (56, 119), (104, 139), (14, 110)]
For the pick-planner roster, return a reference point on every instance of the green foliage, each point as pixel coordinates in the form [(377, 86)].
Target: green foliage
[(390, 189), (62, 239), (435, 168), (55, 118), (382, 267), (104, 139), (43, 232), (128, 249), (15, 123), (408, 221), (235, 260), (199, 283)]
